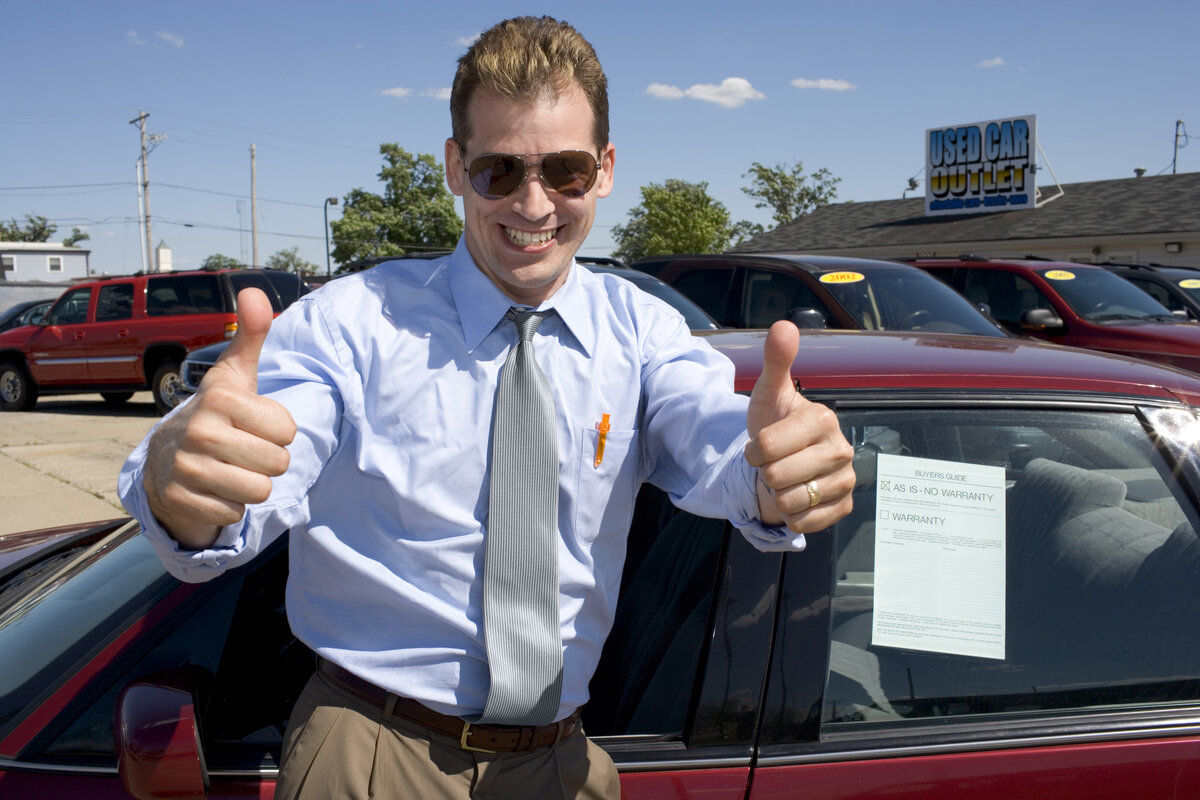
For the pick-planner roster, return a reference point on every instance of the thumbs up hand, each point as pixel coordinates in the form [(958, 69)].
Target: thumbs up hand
[(218, 453), (804, 461)]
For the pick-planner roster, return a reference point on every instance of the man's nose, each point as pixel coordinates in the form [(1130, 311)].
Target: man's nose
[(533, 200)]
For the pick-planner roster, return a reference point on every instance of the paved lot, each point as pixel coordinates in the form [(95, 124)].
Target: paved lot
[(59, 463)]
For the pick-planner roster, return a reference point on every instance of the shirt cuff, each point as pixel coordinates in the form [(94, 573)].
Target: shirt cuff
[(767, 538)]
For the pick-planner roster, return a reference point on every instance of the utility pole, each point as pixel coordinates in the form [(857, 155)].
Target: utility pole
[(1175, 158), (253, 210), (140, 120)]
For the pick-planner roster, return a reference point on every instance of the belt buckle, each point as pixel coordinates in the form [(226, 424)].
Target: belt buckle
[(462, 741)]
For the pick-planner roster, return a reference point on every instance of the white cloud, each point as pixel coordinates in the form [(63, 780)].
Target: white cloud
[(397, 91), (824, 84), (664, 91), (133, 38), (171, 38), (730, 93), (467, 41), (437, 94), (989, 63)]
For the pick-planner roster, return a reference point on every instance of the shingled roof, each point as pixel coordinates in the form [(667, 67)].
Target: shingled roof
[(1161, 204)]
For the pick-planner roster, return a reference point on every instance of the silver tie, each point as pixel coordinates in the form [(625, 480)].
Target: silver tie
[(520, 574)]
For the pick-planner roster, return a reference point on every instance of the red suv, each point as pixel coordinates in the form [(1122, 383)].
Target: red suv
[(1082, 305), (128, 333)]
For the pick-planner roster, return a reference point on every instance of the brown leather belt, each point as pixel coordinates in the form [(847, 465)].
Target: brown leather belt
[(480, 738)]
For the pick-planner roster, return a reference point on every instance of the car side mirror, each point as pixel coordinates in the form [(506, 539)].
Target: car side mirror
[(1041, 319), (807, 318), (1183, 314), (158, 739)]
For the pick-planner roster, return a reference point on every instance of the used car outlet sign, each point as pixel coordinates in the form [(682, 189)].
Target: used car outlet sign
[(981, 166), (939, 557)]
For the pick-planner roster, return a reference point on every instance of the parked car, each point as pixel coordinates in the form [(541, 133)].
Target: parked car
[(25, 312), (199, 361), (1177, 288), (127, 333), (754, 290), (1012, 610), (1081, 305)]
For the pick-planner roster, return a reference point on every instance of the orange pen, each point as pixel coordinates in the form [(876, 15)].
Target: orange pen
[(603, 427)]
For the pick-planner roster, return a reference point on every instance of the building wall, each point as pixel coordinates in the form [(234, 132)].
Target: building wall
[(30, 264)]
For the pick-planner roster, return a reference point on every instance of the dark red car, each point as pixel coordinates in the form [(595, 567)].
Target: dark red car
[(1012, 610), (1080, 305)]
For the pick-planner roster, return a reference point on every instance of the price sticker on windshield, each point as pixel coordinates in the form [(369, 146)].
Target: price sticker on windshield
[(1060, 275), (1190, 283), (842, 277)]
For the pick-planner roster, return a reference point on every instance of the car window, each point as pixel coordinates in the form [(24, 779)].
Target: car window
[(183, 294), (1009, 562), (71, 308), (1007, 294), (1100, 296), (711, 289), (769, 296), (115, 302)]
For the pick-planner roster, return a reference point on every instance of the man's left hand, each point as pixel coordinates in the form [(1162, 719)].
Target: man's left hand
[(804, 461)]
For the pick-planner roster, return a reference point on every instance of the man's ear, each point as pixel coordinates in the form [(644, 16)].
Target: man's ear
[(608, 157), (454, 168)]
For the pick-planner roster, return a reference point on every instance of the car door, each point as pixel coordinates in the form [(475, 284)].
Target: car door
[(57, 351), (113, 341), (1011, 610)]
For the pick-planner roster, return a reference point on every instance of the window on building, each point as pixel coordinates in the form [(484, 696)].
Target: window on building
[(55, 263), (8, 264)]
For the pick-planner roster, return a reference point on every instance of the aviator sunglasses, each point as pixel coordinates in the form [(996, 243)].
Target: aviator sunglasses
[(568, 172)]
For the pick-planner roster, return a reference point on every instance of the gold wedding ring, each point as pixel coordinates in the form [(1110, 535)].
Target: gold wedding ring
[(814, 494)]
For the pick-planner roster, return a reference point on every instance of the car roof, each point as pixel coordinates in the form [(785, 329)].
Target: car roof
[(808, 262), (842, 359)]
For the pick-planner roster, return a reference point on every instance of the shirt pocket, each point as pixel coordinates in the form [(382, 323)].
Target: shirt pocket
[(606, 490)]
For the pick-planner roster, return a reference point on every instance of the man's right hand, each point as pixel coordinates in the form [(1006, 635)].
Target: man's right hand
[(218, 454)]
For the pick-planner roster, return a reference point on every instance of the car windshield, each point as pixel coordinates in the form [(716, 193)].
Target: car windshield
[(1099, 296), (904, 300), (48, 623)]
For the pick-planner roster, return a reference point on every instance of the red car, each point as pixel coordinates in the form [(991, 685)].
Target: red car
[(1012, 610), (1081, 305)]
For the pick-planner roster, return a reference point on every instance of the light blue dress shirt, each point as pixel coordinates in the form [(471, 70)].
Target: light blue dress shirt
[(391, 376)]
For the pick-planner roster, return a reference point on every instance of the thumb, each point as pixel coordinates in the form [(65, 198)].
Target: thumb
[(239, 362), (774, 392)]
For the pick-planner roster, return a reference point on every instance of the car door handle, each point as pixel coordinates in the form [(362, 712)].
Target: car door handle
[(79, 335), (122, 331)]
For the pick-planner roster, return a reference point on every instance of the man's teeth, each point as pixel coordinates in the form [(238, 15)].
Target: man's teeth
[(525, 238)]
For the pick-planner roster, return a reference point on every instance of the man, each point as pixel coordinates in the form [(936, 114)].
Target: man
[(372, 443)]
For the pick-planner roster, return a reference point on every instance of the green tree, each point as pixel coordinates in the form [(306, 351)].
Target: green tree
[(674, 217), (76, 236), (289, 260), (218, 261), (36, 229), (788, 192), (415, 212)]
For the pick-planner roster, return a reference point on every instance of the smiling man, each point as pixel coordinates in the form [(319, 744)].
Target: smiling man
[(456, 446)]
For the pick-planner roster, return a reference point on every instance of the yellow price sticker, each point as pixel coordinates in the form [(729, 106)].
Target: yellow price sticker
[(1060, 275), (842, 277), (1190, 283)]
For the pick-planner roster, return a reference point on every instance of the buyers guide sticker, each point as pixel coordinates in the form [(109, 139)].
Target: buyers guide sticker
[(939, 557)]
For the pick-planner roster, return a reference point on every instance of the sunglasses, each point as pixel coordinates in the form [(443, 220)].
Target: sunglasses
[(568, 172)]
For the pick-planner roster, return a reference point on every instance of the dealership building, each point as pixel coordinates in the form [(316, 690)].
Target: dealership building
[(981, 199)]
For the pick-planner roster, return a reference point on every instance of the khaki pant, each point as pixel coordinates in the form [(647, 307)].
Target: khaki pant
[(339, 747)]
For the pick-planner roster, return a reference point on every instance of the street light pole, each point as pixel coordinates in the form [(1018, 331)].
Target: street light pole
[(329, 201)]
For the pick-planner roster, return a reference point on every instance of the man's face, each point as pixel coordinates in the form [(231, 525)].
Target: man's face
[(525, 241)]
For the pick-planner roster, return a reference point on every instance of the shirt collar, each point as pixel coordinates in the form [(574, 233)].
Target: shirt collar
[(481, 305)]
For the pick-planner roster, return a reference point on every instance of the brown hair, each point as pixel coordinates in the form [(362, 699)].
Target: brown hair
[(526, 59)]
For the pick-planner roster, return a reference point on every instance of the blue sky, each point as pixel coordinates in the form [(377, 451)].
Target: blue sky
[(699, 91)]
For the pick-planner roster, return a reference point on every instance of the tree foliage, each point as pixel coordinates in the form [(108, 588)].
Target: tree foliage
[(218, 261), (35, 229), (788, 192), (289, 260), (674, 217), (76, 237), (415, 212)]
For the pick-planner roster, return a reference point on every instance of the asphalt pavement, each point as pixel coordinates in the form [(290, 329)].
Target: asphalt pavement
[(59, 462)]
